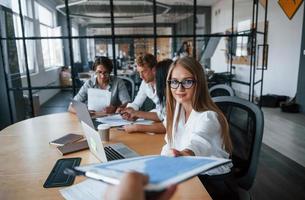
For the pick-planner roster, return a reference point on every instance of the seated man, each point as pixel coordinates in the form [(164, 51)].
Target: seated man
[(146, 66), (102, 80)]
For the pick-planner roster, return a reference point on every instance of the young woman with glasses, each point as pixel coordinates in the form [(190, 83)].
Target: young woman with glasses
[(102, 80), (194, 124)]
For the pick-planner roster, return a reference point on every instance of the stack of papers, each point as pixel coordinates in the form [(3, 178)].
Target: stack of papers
[(117, 120), (98, 99), (88, 189)]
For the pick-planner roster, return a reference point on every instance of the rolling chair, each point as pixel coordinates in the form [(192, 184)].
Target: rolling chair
[(130, 86), (221, 90), (246, 123)]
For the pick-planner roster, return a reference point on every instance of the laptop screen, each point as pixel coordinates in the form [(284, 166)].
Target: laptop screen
[(94, 142), (82, 113)]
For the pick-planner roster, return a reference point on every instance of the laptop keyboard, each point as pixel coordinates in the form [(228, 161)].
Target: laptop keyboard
[(112, 154)]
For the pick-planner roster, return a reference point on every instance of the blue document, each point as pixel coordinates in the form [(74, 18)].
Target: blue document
[(162, 170)]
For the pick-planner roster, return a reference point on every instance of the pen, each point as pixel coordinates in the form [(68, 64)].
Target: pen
[(93, 175), (123, 113), (120, 129)]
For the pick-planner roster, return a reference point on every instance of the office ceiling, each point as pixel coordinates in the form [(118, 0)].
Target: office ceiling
[(91, 12)]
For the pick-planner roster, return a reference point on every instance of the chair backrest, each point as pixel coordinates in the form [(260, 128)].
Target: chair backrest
[(130, 85), (246, 121), (221, 90)]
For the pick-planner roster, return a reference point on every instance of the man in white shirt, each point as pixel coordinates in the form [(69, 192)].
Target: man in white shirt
[(146, 69)]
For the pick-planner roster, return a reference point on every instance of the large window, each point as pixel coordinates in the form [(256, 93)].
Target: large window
[(76, 48), (29, 31), (242, 42), (51, 48)]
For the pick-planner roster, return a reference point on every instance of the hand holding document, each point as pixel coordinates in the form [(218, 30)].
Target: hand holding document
[(98, 99), (178, 169)]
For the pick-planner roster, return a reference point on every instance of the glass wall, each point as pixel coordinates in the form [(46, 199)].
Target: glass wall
[(60, 43)]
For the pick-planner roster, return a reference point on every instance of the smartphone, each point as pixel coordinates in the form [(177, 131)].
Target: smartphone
[(57, 177), (69, 138)]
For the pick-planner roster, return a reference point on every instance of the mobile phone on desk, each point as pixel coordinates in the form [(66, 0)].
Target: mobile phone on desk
[(57, 177)]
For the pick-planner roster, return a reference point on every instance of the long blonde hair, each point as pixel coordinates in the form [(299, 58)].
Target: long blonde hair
[(201, 100)]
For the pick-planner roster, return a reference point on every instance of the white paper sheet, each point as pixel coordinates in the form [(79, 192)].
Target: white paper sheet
[(117, 120), (88, 189), (98, 99)]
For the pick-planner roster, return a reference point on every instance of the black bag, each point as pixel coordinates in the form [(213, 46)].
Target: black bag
[(290, 107), (272, 100)]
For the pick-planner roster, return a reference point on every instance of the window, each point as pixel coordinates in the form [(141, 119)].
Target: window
[(76, 48), (242, 42), (29, 30), (90, 49), (51, 48)]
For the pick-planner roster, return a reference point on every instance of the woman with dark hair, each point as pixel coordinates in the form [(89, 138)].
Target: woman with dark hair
[(160, 73), (102, 80)]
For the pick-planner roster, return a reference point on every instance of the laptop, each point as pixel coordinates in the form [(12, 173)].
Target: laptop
[(84, 115), (108, 152)]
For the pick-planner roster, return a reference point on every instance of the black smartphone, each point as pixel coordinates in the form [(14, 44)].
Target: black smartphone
[(57, 177)]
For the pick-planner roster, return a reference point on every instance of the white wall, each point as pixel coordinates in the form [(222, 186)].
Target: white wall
[(284, 39), (284, 52), (44, 78)]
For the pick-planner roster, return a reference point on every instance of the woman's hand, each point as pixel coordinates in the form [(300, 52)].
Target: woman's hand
[(131, 128), (185, 152), (120, 108), (129, 114)]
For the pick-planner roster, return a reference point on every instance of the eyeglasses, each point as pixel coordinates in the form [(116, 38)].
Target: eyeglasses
[(106, 74), (186, 84)]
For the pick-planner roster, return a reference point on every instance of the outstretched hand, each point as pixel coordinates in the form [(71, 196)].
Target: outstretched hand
[(185, 152), (132, 187)]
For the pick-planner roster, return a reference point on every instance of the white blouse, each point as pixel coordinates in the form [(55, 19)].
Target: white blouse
[(200, 134), (146, 90)]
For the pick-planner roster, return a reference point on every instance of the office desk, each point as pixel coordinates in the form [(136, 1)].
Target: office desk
[(26, 158)]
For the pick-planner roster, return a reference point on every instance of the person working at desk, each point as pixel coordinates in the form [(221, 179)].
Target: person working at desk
[(152, 86), (102, 80)]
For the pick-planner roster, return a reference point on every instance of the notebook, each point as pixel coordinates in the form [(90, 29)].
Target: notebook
[(73, 147), (69, 138)]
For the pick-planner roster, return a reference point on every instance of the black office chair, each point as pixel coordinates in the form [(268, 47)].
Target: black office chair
[(246, 122), (130, 86), (221, 90)]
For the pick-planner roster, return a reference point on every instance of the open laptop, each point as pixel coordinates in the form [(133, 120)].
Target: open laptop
[(84, 115), (105, 152)]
